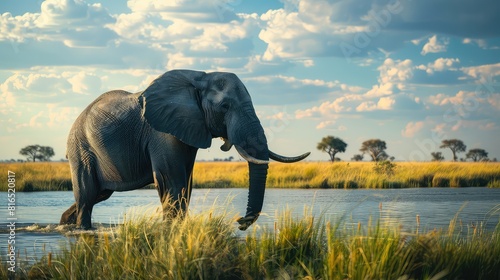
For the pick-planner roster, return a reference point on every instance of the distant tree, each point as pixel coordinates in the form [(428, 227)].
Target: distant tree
[(437, 156), (357, 157), (477, 154), (332, 145), (375, 148), (455, 145), (34, 152)]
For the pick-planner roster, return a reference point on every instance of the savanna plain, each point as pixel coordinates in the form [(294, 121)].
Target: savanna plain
[(207, 245)]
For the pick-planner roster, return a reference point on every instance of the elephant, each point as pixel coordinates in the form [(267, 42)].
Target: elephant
[(124, 141)]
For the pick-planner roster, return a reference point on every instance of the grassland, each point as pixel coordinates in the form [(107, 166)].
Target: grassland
[(56, 176), (206, 246)]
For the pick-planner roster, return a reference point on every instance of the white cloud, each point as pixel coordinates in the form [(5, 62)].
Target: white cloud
[(441, 64), (462, 97), (345, 103), (412, 128), (194, 29), (479, 42), (384, 103), (84, 83), (434, 45), (393, 77), (484, 73)]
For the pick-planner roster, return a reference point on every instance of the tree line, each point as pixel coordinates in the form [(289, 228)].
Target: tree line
[(375, 148)]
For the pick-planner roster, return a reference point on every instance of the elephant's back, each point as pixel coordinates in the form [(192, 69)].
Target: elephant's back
[(110, 131)]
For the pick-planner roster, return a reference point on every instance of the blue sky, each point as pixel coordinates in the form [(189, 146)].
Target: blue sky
[(411, 73)]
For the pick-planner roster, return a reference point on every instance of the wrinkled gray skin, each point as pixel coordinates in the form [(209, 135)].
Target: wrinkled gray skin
[(124, 141)]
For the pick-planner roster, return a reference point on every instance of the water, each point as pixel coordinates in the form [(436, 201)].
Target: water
[(38, 213)]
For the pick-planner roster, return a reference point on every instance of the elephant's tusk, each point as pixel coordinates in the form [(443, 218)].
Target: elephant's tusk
[(284, 159), (227, 145), (249, 158)]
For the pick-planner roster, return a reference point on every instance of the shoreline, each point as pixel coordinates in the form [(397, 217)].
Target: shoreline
[(55, 176)]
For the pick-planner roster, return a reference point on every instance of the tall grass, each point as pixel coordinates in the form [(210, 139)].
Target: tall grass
[(353, 175), (206, 246), (39, 176), (343, 175)]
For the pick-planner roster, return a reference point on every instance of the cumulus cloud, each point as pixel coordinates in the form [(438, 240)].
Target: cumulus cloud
[(384, 103), (84, 83), (76, 23), (465, 106), (355, 27), (194, 29), (412, 128), (485, 74), (442, 64), (346, 103), (441, 71), (392, 78), (154, 34), (434, 45)]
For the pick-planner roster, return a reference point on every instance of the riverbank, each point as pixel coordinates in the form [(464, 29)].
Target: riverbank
[(206, 246), (343, 175)]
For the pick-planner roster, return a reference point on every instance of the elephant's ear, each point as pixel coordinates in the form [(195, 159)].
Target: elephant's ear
[(171, 104)]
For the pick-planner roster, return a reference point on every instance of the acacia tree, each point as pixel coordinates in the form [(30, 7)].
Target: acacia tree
[(455, 145), (437, 156), (477, 154), (375, 148), (357, 157), (34, 152), (332, 145)]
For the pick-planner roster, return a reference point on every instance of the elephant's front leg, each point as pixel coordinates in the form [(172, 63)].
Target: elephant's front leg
[(174, 191)]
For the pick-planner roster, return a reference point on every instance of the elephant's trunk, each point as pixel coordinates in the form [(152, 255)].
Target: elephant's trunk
[(249, 139), (257, 178)]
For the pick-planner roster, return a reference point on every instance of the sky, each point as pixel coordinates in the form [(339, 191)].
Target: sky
[(411, 73)]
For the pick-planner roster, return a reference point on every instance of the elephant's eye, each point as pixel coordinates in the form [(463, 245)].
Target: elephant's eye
[(224, 106)]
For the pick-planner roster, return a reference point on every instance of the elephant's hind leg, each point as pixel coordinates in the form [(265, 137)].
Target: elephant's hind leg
[(69, 216), (87, 191)]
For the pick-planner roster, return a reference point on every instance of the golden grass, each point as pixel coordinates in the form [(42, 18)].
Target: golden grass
[(352, 175), (205, 246), (344, 175), (39, 176)]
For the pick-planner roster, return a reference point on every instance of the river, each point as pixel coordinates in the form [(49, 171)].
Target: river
[(38, 213)]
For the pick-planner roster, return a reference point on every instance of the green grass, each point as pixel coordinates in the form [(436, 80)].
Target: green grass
[(343, 175), (205, 246)]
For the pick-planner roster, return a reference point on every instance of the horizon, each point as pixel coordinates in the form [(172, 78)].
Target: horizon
[(406, 72)]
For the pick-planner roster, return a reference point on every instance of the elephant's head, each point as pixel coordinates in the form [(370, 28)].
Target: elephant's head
[(196, 106)]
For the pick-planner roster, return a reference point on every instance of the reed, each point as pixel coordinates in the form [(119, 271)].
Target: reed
[(343, 175), (206, 246)]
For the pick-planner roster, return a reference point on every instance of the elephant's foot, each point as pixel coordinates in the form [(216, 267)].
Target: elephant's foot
[(247, 221), (69, 216)]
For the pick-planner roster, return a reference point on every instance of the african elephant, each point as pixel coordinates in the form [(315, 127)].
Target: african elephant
[(124, 141)]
